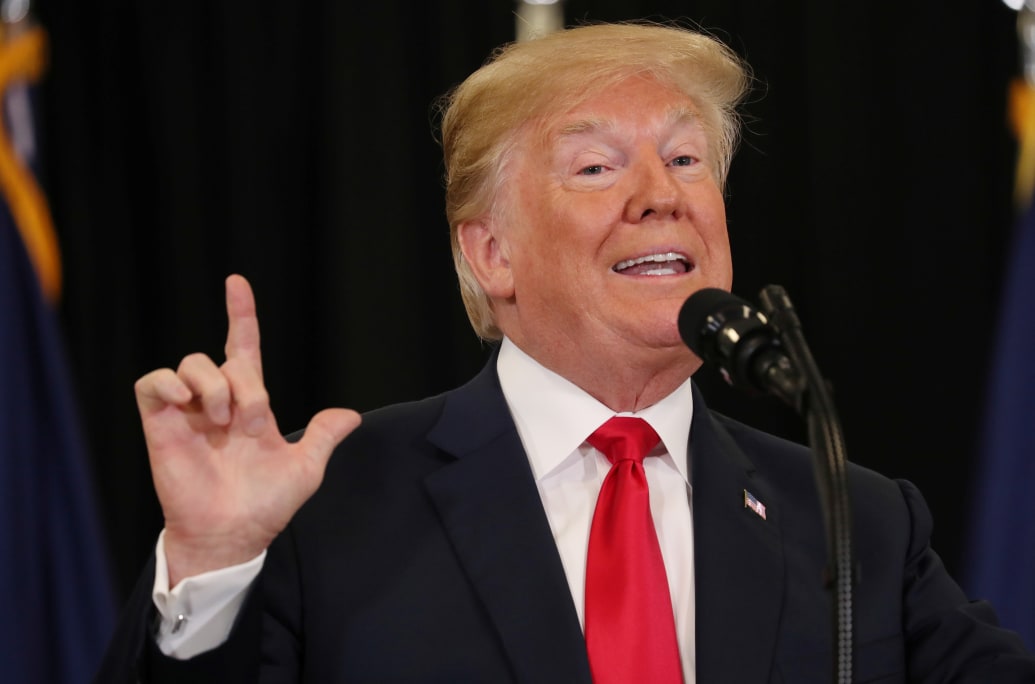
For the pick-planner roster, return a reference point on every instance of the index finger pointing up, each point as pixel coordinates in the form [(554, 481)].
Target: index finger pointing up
[(242, 336)]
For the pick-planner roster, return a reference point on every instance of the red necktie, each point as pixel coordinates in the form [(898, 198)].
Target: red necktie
[(630, 631)]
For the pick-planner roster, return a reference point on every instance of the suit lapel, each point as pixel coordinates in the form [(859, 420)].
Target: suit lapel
[(492, 512), (738, 559)]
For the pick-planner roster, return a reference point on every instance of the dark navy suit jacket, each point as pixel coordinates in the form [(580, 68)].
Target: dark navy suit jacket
[(426, 556)]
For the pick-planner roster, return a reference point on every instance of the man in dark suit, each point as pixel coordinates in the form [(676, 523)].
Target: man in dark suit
[(457, 539)]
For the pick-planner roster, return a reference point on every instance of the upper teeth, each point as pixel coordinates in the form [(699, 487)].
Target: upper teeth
[(659, 258)]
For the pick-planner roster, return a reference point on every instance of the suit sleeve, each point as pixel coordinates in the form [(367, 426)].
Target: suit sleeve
[(949, 638), (264, 644)]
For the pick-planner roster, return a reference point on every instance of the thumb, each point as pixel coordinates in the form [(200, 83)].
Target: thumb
[(325, 431)]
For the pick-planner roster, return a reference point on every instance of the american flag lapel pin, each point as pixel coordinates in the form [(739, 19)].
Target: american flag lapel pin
[(754, 504)]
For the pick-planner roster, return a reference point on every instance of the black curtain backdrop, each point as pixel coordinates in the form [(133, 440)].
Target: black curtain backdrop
[(292, 142)]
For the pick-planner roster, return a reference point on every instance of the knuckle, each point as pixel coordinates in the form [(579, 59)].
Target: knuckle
[(148, 383), (143, 388), (215, 392), (193, 362), (254, 401)]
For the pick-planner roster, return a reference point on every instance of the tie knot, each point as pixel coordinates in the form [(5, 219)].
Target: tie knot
[(624, 438)]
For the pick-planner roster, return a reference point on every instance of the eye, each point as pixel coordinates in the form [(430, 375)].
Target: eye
[(683, 160), (592, 170)]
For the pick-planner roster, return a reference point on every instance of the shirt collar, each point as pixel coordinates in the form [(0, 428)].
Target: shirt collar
[(554, 416)]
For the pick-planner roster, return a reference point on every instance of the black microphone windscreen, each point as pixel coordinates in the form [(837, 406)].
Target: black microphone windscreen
[(693, 318)]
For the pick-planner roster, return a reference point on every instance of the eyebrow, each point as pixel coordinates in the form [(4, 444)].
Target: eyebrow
[(592, 125)]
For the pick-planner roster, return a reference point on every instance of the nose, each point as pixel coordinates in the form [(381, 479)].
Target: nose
[(655, 194)]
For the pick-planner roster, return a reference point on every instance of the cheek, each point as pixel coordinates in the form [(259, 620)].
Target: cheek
[(716, 236), (561, 234), (582, 226), (711, 221), (711, 216), (711, 203), (718, 245)]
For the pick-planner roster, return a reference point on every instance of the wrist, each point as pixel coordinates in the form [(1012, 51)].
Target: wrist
[(191, 555)]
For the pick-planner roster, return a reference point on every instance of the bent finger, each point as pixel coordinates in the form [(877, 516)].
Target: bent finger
[(160, 388), (208, 385)]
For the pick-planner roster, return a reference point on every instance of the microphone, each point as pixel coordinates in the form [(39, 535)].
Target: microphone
[(756, 354), (726, 331)]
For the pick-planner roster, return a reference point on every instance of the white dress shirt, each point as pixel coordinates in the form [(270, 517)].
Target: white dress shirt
[(198, 613), (553, 419)]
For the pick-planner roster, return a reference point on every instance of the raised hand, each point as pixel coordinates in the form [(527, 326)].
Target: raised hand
[(227, 480)]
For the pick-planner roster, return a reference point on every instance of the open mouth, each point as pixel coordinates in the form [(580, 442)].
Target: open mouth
[(669, 263)]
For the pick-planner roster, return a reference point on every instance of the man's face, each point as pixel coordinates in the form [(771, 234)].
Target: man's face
[(610, 223)]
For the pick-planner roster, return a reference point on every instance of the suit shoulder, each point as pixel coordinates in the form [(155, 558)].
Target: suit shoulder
[(784, 460), (752, 440), (402, 418)]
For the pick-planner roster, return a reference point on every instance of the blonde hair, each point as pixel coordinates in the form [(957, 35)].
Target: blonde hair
[(524, 82)]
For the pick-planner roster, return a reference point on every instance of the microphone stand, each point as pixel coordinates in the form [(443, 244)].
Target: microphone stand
[(829, 460)]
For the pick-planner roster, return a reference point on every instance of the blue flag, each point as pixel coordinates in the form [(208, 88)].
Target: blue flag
[(1002, 546), (58, 599)]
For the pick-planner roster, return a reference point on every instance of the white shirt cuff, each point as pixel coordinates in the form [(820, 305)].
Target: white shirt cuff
[(198, 614)]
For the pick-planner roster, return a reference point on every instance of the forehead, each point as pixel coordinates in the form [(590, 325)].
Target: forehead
[(673, 118), (635, 105)]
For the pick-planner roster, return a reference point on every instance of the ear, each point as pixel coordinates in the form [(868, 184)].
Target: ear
[(486, 253)]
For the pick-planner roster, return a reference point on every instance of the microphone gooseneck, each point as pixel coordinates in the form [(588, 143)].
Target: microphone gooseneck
[(767, 353)]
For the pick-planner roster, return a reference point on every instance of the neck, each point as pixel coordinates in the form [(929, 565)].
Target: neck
[(626, 382)]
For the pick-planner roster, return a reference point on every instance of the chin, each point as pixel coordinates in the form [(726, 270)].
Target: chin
[(666, 338)]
